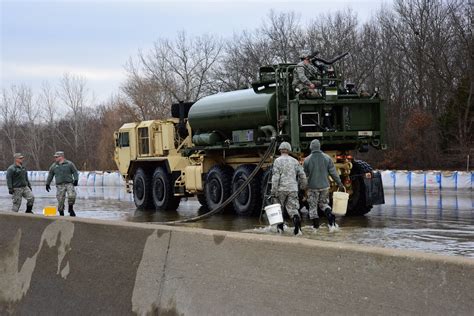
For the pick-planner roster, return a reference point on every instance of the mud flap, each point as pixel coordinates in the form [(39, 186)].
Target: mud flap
[(374, 189)]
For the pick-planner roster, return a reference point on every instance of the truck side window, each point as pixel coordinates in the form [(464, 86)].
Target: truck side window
[(143, 141), (124, 140)]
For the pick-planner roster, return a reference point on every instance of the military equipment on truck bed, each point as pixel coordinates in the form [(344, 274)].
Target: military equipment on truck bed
[(210, 147)]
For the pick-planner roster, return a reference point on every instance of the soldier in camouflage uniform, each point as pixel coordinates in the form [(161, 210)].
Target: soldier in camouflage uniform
[(317, 167), (67, 178), (287, 175), (18, 184), (301, 77)]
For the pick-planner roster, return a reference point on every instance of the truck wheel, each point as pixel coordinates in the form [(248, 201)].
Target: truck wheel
[(218, 186), (357, 205), (162, 192), (142, 190), (249, 200)]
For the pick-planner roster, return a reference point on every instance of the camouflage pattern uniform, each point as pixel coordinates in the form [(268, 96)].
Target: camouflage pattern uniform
[(287, 175), (317, 167), (66, 174), (317, 198), (17, 181), (301, 79), (61, 190)]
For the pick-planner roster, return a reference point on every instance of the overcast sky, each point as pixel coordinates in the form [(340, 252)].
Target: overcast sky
[(41, 40)]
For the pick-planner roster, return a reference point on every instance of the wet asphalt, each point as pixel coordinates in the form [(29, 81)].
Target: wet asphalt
[(439, 222)]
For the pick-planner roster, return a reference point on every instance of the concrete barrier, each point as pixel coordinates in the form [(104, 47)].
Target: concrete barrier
[(79, 267)]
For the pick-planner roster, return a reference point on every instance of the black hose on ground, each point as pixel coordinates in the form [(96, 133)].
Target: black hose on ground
[(267, 154)]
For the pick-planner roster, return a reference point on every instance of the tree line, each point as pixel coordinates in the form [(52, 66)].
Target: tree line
[(418, 54)]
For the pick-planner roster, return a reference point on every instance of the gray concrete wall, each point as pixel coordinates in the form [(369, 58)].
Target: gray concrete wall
[(51, 266)]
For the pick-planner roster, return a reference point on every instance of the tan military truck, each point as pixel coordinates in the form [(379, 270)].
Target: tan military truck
[(209, 148)]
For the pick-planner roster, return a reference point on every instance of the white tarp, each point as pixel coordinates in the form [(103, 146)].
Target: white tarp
[(99, 179), (464, 180), (449, 180), (83, 177), (91, 179), (388, 179), (417, 180), (402, 179), (111, 179), (433, 180)]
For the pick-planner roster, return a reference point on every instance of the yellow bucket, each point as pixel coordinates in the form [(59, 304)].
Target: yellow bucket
[(49, 211)]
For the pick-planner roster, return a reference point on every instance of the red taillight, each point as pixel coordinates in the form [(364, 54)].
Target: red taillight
[(343, 157)]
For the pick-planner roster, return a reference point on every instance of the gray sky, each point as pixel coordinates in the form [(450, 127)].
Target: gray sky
[(41, 40)]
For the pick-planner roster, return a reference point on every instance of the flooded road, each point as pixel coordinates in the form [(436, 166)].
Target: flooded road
[(436, 222)]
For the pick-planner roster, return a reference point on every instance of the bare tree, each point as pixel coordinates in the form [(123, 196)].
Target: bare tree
[(182, 68), (33, 132), (12, 100), (243, 55), (74, 95), (285, 36), (47, 101), (333, 34), (145, 100), (462, 20)]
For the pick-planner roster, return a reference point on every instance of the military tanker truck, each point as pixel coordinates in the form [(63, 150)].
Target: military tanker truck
[(209, 148)]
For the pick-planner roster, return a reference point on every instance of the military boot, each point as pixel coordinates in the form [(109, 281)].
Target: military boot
[(330, 216), (297, 223), (315, 223), (71, 210), (331, 220), (280, 228), (29, 209), (61, 213)]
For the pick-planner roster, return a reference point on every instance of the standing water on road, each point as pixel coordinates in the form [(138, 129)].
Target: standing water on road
[(436, 222)]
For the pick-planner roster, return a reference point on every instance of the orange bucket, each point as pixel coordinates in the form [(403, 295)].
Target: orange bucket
[(49, 211)]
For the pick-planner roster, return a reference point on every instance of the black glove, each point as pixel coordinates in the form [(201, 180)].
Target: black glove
[(10, 191), (75, 183), (48, 188)]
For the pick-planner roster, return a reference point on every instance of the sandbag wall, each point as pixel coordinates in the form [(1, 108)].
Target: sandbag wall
[(392, 179), (86, 178)]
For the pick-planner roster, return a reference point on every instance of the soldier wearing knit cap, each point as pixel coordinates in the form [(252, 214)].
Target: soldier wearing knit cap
[(318, 166)]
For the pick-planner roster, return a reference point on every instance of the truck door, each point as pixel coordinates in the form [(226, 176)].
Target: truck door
[(122, 140)]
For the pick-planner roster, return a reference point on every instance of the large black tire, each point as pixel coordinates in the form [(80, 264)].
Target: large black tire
[(162, 191), (248, 202), (142, 190), (357, 205), (218, 186)]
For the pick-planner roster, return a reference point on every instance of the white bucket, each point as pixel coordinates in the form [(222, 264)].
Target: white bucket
[(274, 214), (339, 203)]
